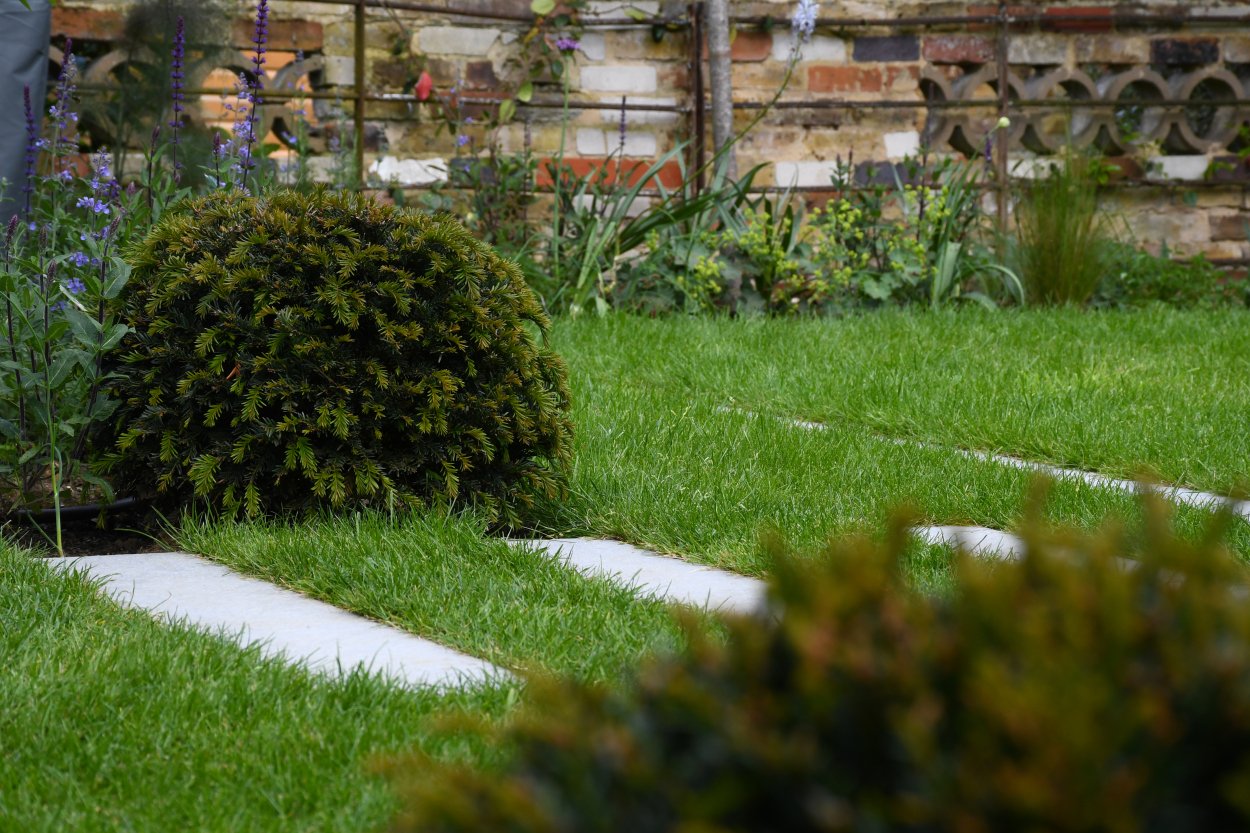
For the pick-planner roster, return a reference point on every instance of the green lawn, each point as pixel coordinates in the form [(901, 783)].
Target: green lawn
[(114, 722), (1106, 391)]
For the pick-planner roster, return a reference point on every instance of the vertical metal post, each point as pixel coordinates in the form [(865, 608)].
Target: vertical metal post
[(697, 106), (359, 84), (1002, 138)]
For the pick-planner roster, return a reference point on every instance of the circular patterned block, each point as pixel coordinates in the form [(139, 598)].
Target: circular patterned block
[(1048, 131), (1202, 128)]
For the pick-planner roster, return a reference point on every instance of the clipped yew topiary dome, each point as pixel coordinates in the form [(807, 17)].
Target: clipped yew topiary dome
[(322, 349)]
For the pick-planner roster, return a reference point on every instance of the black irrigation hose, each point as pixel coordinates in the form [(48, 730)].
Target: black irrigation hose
[(73, 513)]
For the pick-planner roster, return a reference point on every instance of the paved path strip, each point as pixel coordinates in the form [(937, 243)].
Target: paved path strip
[(1175, 494), (657, 575), (324, 638)]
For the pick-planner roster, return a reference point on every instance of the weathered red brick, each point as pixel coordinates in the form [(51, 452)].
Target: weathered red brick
[(844, 79), (86, 24), (1078, 19), (1230, 226), (958, 49), (748, 46), (305, 35), (628, 172), (480, 75)]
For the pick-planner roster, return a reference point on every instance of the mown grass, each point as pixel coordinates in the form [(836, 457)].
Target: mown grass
[(1104, 391), (112, 721), (445, 579), (660, 468)]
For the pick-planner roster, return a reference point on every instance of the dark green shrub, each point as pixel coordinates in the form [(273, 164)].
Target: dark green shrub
[(1061, 693), (316, 349), (1135, 277)]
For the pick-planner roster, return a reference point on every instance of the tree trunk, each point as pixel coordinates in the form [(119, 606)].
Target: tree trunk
[(720, 76)]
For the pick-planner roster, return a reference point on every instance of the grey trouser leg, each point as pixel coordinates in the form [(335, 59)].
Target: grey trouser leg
[(23, 61)]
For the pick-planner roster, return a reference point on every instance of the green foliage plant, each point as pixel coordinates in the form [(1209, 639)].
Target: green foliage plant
[(321, 349), (1062, 237), (1063, 692), (916, 237), (1135, 277)]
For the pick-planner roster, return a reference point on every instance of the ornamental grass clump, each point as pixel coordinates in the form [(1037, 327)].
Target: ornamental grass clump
[(323, 350), (1065, 692)]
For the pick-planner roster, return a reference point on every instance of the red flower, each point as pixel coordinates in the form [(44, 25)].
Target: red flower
[(424, 85)]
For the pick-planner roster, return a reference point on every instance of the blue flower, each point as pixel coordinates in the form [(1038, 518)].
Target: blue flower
[(462, 140), (96, 205), (804, 20), (79, 259), (566, 44), (75, 286)]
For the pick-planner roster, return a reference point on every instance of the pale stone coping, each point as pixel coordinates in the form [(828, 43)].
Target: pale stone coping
[(1175, 494), (179, 587), (657, 576)]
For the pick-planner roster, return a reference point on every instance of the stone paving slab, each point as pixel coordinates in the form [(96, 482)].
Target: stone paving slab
[(178, 586), (671, 579), (976, 540)]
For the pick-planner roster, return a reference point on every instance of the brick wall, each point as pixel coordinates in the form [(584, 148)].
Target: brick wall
[(1183, 179)]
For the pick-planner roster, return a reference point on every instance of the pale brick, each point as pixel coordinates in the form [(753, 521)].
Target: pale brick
[(639, 144), (1112, 49), (639, 117), (591, 142), (621, 79), (1181, 168), (594, 46), (621, 8), (340, 71), (456, 40), (819, 48), (900, 145), (804, 174), (1039, 49), (391, 169)]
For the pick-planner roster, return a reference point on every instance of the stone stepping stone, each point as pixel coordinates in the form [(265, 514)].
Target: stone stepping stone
[(659, 576), (975, 540), (180, 587)]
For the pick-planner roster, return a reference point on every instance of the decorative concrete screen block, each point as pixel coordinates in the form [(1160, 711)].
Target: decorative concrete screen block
[(638, 117), (409, 171), (819, 48), (1185, 168), (619, 79), (900, 145), (805, 174), (456, 40)]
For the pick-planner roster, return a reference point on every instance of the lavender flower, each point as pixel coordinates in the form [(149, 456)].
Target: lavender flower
[(462, 140), (75, 286), (259, 39), (176, 77), (566, 44), (803, 23), (32, 150), (62, 109), (96, 206), (80, 259)]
